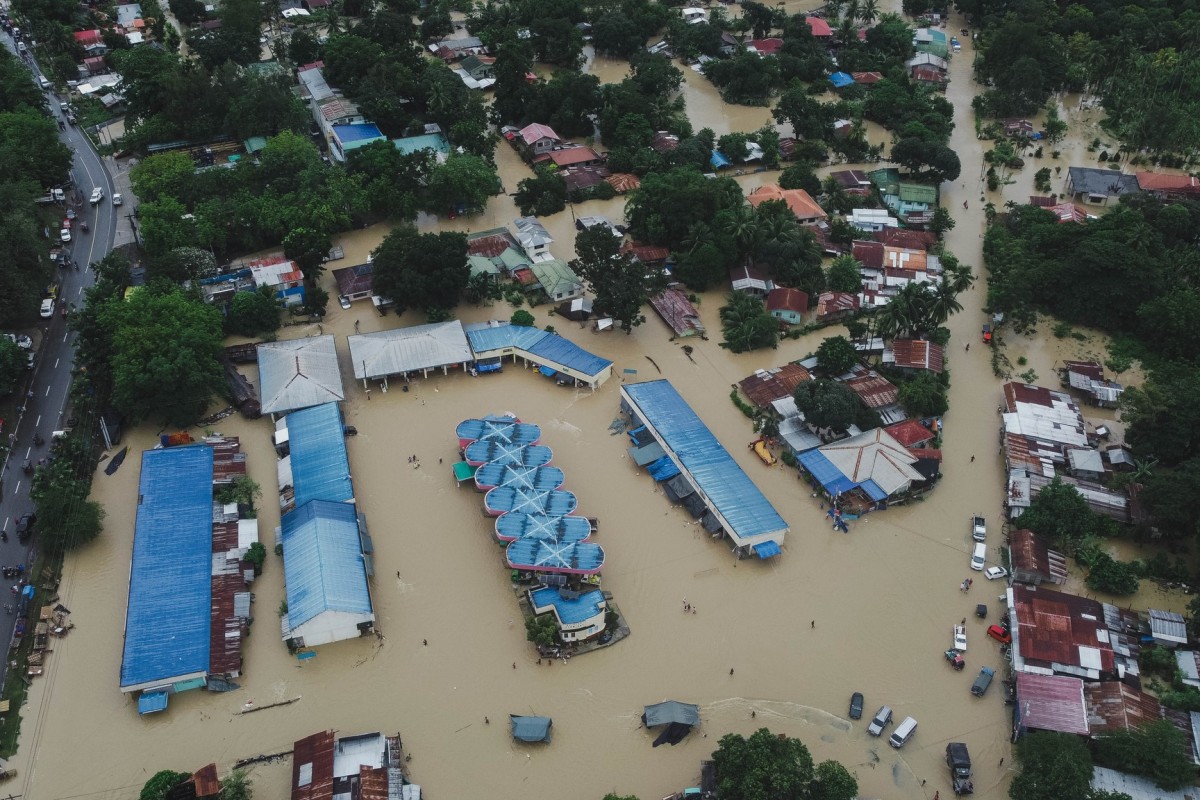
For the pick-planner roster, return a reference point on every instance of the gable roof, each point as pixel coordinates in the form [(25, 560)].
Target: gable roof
[(830, 303), (1051, 703), (574, 155), (919, 354), (766, 386), (787, 299), (818, 26), (1029, 554), (1159, 182), (906, 238), (909, 432), (869, 254), (323, 563), (556, 277), (312, 767), (874, 390), (1113, 706), (1089, 180), (535, 131), (765, 47), (798, 200), (873, 456), (677, 311), (400, 350), (867, 78), (299, 373)]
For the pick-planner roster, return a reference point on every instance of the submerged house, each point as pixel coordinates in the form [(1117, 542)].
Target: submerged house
[(370, 766), (299, 373), (872, 464), (1098, 186)]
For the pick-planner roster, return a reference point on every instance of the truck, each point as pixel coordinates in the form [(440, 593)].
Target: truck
[(959, 762), (983, 681), (51, 196), (978, 528)]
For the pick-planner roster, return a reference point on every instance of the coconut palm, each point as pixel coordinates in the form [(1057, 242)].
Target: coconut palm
[(744, 227), (698, 233), (960, 278), (942, 304), (868, 12), (777, 228), (852, 10)]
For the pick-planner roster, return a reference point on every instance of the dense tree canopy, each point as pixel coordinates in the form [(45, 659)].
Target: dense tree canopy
[(421, 270), (746, 323), (622, 285), (764, 766), (827, 403), (1054, 766)]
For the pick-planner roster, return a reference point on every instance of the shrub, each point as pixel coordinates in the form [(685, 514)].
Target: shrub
[(523, 318)]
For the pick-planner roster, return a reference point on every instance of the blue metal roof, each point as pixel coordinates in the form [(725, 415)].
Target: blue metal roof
[(719, 160), (573, 611), (170, 579), (713, 471), (357, 132), (534, 455), (539, 344), (580, 558), (322, 562), (840, 80), (504, 499), (832, 479), (320, 470), (506, 429), (519, 525), (152, 702), (493, 474)]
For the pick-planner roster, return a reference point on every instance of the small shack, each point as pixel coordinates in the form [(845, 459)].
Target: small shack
[(530, 729), (679, 718)]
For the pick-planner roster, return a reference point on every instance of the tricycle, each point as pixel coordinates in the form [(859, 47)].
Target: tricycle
[(955, 658)]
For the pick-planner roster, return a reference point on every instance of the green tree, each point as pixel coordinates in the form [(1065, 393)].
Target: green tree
[(161, 783), (12, 366), (236, 786), (542, 629), (421, 270), (522, 318), (183, 264), (252, 313), (543, 194), (835, 355), (763, 766), (844, 274), (30, 149), (746, 324), (827, 403), (833, 781), (60, 489), (463, 181), (165, 349), (800, 176), (1109, 575), (924, 396), (1055, 127), (309, 248), (619, 281), (1060, 514), (1157, 750), (1054, 766), (942, 222)]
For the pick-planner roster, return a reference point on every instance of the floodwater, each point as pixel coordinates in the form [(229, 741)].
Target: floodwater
[(880, 601)]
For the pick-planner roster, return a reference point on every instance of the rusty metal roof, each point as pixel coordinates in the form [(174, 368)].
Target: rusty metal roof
[(226, 631), (874, 390), (919, 354), (902, 237), (767, 386), (909, 433), (1031, 556), (1062, 631), (206, 782), (1051, 703), (229, 461), (372, 783), (312, 767), (1113, 706), (832, 304), (869, 254)]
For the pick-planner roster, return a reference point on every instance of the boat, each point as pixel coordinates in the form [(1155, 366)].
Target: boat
[(760, 450)]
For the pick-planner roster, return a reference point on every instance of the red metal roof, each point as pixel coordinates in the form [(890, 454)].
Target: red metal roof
[(574, 155), (372, 783), (787, 299), (86, 38), (1025, 393), (1059, 628), (910, 433), (919, 354), (926, 452), (1159, 182), (1052, 703), (1040, 201), (869, 254), (1031, 555), (874, 390), (928, 75), (536, 131), (834, 304), (316, 751), (799, 201), (1112, 706), (766, 47), (766, 386), (206, 782), (904, 238), (646, 253), (819, 26), (867, 78), (623, 182)]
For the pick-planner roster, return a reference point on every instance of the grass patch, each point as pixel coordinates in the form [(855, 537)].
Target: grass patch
[(48, 568)]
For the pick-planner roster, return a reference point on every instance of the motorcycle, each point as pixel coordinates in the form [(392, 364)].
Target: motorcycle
[(27, 468), (84, 225)]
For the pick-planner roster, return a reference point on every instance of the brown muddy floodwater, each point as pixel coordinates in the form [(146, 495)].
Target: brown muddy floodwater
[(883, 598)]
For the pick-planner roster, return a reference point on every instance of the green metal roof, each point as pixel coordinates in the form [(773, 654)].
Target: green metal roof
[(917, 193), (481, 264)]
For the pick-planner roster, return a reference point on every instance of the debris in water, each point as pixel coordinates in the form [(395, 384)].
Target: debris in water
[(656, 366)]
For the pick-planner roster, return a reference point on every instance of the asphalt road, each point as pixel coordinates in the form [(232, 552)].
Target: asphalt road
[(50, 380)]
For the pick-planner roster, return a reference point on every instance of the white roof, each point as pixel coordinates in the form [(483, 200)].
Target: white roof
[(531, 233), (1085, 459), (412, 349), (299, 373), (874, 455), (1136, 787)]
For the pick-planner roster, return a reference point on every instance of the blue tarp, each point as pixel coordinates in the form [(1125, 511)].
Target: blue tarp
[(530, 729), (320, 469), (170, 579), (152, 702), (832, 479), (767, 549), (711, 469), (840, 80), (323, 562), (547, 371), (663, 469)]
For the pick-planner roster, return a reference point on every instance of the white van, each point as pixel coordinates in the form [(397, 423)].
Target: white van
[(979, 557), (903, 733)]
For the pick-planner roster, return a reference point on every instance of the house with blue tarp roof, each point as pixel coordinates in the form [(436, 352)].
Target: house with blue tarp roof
[(580, 616), (539, 348), (841, 80), (872, 464), (719, 160), (735, 506), (325, 565), (317, 463), (168, 616)]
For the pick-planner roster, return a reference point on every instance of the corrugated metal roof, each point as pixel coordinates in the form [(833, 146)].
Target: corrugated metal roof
[(677, 311), (1113, 706), (766, 386), (1051, 703), (504, 499), (569, 611), (501, 428), (515, 525), (312, 767), (1031, 557), (320, 469), (167, 621), (574, 558), (745, 511), (412, 349), (323, 562), (541, 478), (1168, 626), (546, 347), (298, 374)]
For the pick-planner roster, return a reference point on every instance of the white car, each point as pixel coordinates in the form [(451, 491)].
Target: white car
[(64, 235), (22, 341), (995, 573), (117, 199), (47, 310), (960, 638), (97, 195)]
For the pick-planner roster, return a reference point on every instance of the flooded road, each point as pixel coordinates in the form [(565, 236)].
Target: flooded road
[(880, 601)]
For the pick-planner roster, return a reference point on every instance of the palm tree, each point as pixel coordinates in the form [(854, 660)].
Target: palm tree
[(833, 8), (868, 12), (960, 278), (852, 10), (943, 304), (777, 228), (744, 227), (847, 32), (698, 233)]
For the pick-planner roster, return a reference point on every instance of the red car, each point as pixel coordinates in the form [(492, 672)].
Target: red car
[(1000, 634)]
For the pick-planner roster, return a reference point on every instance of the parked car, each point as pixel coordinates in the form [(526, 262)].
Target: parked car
[(904, 731), (856, 704), (343, 301), (25, 524), (44, 82), (65, 235), (981, 684), (979, 557), (880, 721), (30, 360), (978, 528), (47, 309), (960, 638), (22, 341), (1000, 634), (958, 759), (97, 195), (995, 573), (117, 199)]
